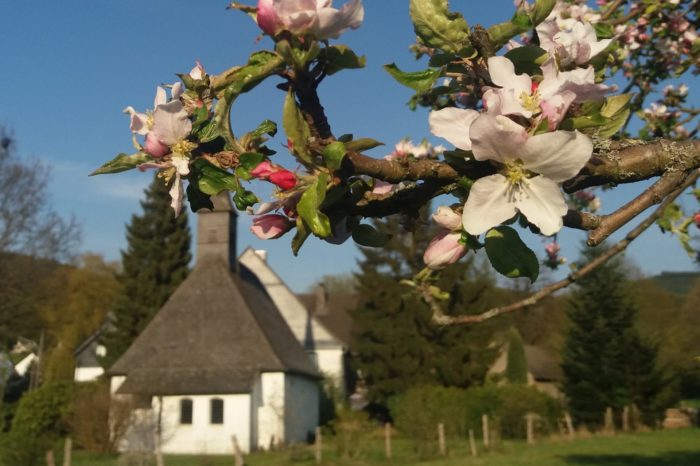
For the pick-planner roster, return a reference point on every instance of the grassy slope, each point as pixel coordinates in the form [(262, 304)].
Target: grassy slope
[(668, 448)]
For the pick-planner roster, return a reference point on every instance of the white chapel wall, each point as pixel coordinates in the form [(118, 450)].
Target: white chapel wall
[(301, 408)]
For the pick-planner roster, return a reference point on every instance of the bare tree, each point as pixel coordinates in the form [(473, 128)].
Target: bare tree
[(28, 224)]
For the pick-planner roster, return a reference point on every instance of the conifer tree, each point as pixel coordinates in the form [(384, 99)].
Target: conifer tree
[(516, 368), (396, 343), (605, 362), (154, 264)]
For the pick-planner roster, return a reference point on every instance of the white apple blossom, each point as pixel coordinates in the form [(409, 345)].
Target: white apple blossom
[(520, 95), (315, 17), (570, 41), (532, 167)]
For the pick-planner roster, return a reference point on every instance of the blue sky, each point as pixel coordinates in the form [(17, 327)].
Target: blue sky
[(71, 67)]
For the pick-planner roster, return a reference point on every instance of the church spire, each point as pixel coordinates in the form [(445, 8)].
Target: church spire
[(216, 230)]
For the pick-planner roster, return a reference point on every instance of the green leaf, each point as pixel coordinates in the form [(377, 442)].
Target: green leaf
[(367, 235), (208, 132), (541, 10), (296, 56), (122, 163), (297, 129), (333, 155), (197, 199), (509, 255), (266, 127), (362, 144), (340, 57), (309, 204), (300, 237), (439, 28), (527, 59), (616, 104), (420, 81), (211, 180), (250, 160), (613, 126)]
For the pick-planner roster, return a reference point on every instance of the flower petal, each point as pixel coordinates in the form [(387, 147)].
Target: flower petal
[(171, 123), (331, 22), (502, 72), (541, 201), (558, 155), (176, 195), (138, 123), (487, 205), (496, 138), (161, 97), (453, 124)]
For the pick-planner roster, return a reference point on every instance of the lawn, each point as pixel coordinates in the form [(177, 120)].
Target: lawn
[(664, 448)]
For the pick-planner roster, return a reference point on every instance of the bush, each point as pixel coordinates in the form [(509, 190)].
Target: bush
[(418, 411), (39, 423), (90, 417)]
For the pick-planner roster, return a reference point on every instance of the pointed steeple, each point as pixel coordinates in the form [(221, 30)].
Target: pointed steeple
[(216, 230)]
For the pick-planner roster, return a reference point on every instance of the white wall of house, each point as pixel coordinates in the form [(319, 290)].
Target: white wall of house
[(22, 367), (330, 363), (116, 382), (201, 436), (87, 374), (270, 410), (301, 408)]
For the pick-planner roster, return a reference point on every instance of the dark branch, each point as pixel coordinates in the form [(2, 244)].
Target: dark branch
[(440, 318)]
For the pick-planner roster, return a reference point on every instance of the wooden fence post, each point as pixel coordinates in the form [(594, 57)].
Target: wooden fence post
[(626, 419), (569, 424), (529, 421), (318, 445), (156, 446), (387, 440), (67, 452), (50, 461), (609, 422), (441, 438), (237, 453), (485, 429), (472, 442)]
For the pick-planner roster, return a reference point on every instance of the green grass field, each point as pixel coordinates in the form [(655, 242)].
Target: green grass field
[(664, 448)]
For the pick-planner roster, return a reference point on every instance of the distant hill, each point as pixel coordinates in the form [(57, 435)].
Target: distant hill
[(679, 283)]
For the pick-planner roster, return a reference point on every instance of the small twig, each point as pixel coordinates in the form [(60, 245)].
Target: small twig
[(652, 195), (612, 9), (440, 318)]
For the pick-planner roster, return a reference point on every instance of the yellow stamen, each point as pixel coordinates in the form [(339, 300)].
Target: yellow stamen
[(183, 147), (149, 120), (530, 102)]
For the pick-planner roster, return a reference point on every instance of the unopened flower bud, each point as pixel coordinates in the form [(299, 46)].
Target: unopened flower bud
[(270, 226), (284, 179), (447, 218), (443, 250)]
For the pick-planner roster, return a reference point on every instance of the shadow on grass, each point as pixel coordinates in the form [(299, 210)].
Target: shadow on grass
[(674, 458)]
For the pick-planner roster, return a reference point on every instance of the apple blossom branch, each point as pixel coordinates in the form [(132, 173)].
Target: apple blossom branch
[(440, 318)]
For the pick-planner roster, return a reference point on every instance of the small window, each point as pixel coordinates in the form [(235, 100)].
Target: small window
[(185, 411), (217, 411)]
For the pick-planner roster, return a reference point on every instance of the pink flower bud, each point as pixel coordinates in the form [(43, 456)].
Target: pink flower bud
[(696, 219), (154, 147), (270, 226), (443, 250), (263, 170), (267, 17), (284, 179), (447, 218)]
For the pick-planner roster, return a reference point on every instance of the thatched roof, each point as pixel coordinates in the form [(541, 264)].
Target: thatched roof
[(543, 365), (215, 334), (333, 313)]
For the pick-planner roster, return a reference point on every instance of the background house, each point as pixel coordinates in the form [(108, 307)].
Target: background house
[(218, 359)]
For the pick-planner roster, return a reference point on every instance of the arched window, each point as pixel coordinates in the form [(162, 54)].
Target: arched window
[(216, 407), (185, 411)]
